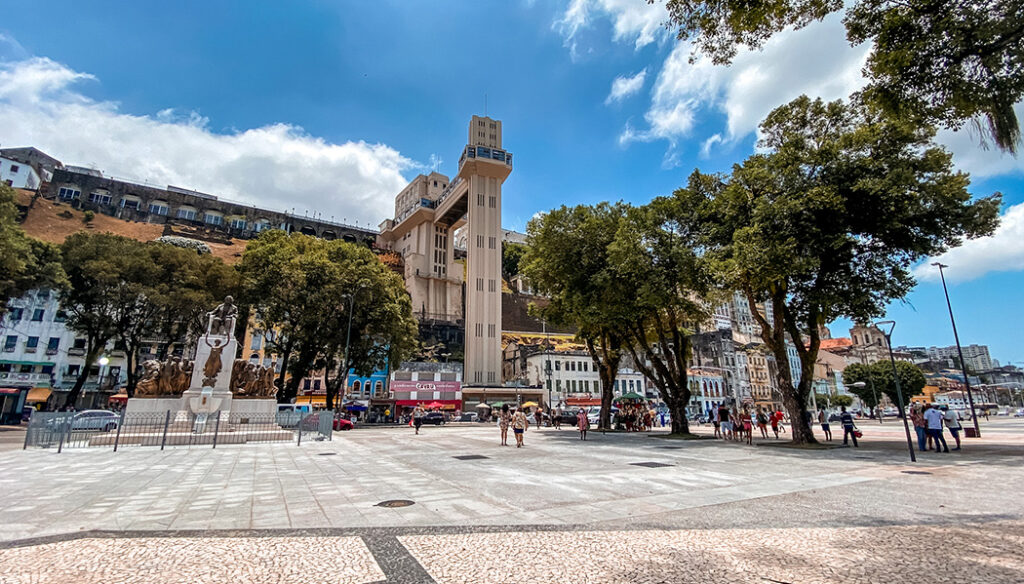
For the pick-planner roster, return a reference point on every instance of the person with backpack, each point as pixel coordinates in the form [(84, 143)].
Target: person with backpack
[(849, 428), (762, 423)]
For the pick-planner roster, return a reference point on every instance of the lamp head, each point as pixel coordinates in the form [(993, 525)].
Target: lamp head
[(940, 265), (104, 360), (883, 324), (857, 384)]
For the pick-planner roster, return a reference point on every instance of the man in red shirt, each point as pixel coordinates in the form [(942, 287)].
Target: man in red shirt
[(776, 420)]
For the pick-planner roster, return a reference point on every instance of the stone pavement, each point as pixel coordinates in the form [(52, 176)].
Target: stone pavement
[(700, 511)]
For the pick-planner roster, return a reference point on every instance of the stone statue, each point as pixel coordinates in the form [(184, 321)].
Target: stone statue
[(213, 363), (250, 379), (149, 384), (167, 378), (222, 318)]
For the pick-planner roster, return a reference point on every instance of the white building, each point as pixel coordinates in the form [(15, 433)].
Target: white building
[(18, 175), (41, 353), (572, 374)]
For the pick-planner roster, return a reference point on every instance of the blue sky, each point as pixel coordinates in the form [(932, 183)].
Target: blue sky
[(330, 107)]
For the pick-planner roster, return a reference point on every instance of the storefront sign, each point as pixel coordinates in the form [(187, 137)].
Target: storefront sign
[(408, 385)]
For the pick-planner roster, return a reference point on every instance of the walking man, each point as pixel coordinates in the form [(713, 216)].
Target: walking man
[(825, 426), (846, 418), (933, 417)]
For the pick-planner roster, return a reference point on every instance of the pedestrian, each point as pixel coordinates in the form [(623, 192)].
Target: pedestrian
[(779, 416), (582, 423), (504, 419), (519, 424), (723, 416), (776, 418), (737, 424), (539, 416), (762, 423), (825, 426), (933, 417), (417, 417), (748, 427), (849, 429), (952, 420), (920, 426), (714, 420), (556, 418)]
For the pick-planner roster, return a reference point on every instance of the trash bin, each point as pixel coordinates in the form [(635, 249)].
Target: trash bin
[(969, 432)]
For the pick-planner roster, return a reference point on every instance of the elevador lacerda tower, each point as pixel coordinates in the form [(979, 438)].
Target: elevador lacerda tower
[(427, 213)]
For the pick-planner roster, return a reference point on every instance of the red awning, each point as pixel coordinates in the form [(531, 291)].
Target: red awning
[(583, 401)]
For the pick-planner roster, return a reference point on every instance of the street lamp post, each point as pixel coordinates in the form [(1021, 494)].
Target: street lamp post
[(959, 351), (896, 378), (348, 334), (861, 384)]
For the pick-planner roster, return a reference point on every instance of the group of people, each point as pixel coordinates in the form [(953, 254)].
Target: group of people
[(517, 419), (738, 424), (850, 430), (928, 423), (637, 417)]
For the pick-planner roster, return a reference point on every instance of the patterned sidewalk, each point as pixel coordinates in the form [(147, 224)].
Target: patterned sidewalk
[(990, 553)]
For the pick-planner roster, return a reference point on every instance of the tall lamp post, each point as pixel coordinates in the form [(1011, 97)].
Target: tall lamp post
[(348, 334), (896, 378), (956, 337)]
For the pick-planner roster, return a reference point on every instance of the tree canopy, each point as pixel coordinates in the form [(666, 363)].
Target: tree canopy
[(299, 286), (827, 222), (567, 260), (944, 61), (25, 262), (912, 380)]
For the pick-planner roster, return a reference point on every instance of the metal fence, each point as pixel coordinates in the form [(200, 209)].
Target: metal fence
[(62, 430)]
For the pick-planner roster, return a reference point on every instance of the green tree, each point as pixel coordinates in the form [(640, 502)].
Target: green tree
[(298, 284), (107, 275), (860, 373), (833, 400), (946, 61), (654, 253), (567, 260), (25, 263), (174, 289), (912, 380), (827, 222), (512, 255)]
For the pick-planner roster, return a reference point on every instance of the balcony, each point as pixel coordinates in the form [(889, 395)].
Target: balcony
[(483, 152), (76, 352)]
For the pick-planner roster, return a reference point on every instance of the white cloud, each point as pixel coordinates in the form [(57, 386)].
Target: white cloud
[(278, 166), (816, 61), (632, 20), (623, 87), (1003, 251)]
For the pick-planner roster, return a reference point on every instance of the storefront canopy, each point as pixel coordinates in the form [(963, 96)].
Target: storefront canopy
[(38, 394)]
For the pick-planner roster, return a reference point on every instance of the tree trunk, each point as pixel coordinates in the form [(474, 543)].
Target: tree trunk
[(677, 409), (282, 397), (606, 357), (91, 354), (130, 359)]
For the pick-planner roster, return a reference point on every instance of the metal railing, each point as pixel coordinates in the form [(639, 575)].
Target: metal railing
[(62, 430)]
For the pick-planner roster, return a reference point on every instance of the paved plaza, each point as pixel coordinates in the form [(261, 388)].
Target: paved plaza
[(616, 508)]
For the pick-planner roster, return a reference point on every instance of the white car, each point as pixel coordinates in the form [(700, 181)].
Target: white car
[(101, 420)]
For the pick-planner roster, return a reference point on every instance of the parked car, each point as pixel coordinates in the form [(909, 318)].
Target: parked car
[(469, 417), (1019, 413), (101, 420), (435, 418), (568, 416), (341, 422)]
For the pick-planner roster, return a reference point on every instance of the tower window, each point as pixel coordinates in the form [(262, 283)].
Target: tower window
[(493, 202), (480, 199)]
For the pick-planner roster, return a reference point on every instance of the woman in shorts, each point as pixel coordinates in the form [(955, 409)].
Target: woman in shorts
[(519, 424), (748, 426)]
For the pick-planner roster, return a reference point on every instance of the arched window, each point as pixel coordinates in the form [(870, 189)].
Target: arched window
[(378, 388), (356, 386)]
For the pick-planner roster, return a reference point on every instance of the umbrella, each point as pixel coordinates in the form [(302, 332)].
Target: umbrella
[(497, 404), (530, 404), (434, 406), (631, 396), (482, 405)]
